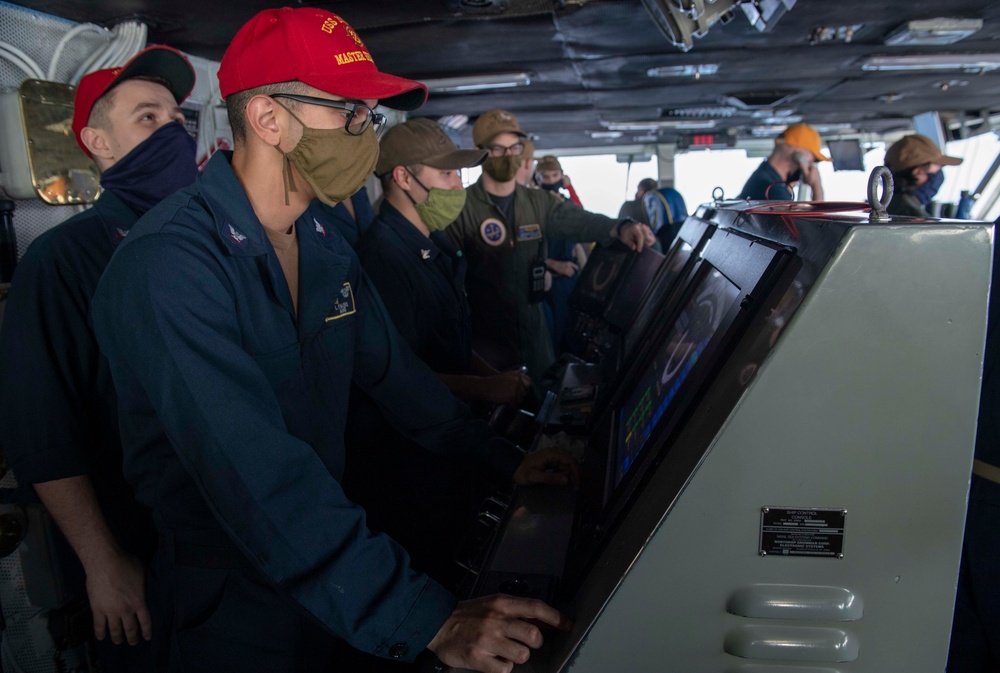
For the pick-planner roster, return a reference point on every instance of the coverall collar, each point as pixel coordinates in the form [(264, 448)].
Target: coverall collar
[(238, 226), (421, 246), (116, 217)]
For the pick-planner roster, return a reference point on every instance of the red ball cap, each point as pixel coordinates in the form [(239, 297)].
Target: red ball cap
[(158, 61), (315, 47)]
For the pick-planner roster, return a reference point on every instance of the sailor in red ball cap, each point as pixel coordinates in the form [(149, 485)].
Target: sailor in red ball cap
[(59, 429), (235, 324)]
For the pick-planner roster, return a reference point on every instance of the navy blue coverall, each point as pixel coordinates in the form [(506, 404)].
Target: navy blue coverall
[(60, 416), (232, 414), (425, 502)]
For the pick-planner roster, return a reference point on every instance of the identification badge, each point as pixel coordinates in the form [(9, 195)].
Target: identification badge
[(536, 281), (344, 304), (529, 232), (493, 232)]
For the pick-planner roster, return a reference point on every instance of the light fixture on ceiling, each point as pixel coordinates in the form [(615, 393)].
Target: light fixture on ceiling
[(470, 83), (716, 111), (658, 124), (930, 62), (767, 131), (933, 32), (780, 119), (834, 127), (695, 70), (608, 135)]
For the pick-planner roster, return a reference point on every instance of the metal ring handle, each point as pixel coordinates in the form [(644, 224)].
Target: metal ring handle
[(880, 174), (718, 194)]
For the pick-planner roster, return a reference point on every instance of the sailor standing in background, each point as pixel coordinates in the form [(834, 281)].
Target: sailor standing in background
[(502, 230), (424, 502)]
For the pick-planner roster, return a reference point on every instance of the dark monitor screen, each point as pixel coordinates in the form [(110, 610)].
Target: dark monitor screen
[(676, 260), (658, 385), (599, 279), (633, 287), (846, 155)]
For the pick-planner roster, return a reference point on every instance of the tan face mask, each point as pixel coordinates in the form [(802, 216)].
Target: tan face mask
[(502, 169), (335, 163)]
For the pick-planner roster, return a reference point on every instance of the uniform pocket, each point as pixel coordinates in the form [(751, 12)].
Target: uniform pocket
[(280, 365)]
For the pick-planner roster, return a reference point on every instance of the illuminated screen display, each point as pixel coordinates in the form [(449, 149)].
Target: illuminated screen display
[(675, 266), (663, 377), (599, 277)]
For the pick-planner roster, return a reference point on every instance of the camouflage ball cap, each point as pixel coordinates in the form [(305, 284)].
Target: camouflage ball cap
[(422, 141), (491, 124)]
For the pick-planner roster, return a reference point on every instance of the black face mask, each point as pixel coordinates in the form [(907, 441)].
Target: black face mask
[(154, 169), (554, 187)]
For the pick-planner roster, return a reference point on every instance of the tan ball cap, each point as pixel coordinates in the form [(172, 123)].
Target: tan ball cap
[(916, 150), (422, 141), (491, 124)]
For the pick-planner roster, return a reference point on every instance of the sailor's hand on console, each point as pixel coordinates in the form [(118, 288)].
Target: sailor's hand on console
[(116, 587), (636, 235), (507, 387), (493, 633), (563, 268), (548, 466)]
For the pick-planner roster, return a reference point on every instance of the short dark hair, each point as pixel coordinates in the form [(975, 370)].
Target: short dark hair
[(905, 181), (647, 184), (99, 112), (236, 104), (386, 178)]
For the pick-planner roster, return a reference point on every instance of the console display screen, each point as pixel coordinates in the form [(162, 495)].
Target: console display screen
[(675, 265), (670, 365), (599, 280)]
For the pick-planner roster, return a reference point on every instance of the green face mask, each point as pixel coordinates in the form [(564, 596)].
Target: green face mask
[(441, 208), (335, 163), (502, 169)]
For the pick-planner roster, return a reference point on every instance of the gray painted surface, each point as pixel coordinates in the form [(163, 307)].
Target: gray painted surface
[(867, 403)]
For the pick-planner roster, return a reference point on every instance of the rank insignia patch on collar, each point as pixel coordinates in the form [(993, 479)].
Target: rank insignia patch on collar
[(320, 229), (425, 254), (343, 305), (238, 238)]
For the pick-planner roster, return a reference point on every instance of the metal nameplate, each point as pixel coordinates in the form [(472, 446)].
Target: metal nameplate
[(802, 531)]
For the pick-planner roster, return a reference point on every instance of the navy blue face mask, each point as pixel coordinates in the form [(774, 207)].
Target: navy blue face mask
[(926, 192), (154, 169), (554, 187)]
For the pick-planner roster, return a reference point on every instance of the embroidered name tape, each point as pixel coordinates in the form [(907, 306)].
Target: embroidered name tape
[(344, 304), (529, 232)]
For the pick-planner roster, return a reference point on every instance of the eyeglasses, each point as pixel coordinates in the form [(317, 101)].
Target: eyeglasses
[(359, 116), (499, 150)]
